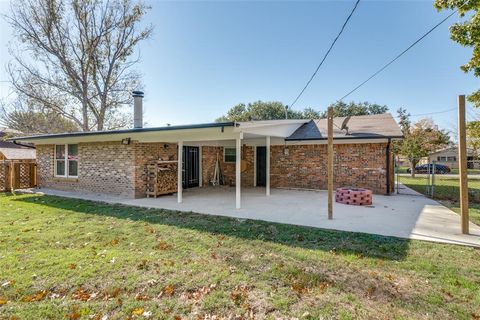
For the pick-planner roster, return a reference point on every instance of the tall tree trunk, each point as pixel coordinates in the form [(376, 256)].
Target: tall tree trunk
[(413, 164)]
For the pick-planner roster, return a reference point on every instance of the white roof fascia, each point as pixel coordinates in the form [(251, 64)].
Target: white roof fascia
[(273, 128), (197, 134)]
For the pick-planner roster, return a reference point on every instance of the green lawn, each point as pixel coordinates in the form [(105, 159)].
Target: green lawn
[(453, 170), (447, 191), (469, 171), (72, 259)]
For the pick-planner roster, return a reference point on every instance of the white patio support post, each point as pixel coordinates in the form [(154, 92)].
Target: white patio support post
[(267, 182), (179, 172), (238, 177)]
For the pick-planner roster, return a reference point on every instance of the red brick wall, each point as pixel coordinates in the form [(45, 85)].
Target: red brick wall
[(209, 157), (305, 166), (148, 152), (113, 168)]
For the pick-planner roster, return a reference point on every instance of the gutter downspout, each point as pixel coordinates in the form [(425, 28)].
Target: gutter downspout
[(388, 166), (23, 145)]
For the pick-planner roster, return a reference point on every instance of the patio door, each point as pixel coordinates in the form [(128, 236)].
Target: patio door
[(190, 176), (261, 166)]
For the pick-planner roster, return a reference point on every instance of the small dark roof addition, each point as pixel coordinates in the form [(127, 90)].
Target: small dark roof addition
[(378, 126)]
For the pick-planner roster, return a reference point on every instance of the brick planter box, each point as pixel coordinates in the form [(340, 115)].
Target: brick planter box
[(354, 196)]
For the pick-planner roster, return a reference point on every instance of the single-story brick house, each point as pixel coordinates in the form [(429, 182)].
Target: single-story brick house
[(448, 156), (271, 154)]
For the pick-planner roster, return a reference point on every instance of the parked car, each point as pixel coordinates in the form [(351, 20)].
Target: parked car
[(426, 168)]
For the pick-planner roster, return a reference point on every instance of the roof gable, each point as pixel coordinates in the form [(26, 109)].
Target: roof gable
[(360, 127)]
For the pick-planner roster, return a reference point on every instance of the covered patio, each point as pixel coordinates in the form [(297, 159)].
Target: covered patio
[(409, 216)]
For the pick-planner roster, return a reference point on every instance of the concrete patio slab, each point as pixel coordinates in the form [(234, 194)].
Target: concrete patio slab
[(410, 216)]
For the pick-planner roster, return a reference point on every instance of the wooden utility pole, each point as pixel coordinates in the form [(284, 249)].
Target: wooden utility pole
[(330, 162), (462, 164)]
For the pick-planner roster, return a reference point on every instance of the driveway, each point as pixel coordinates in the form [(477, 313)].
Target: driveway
[(410, 216)]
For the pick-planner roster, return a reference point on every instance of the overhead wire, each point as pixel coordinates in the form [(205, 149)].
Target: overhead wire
[(326, 54)]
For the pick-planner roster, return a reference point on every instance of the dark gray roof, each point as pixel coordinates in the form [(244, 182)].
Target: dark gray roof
[(360, 127)]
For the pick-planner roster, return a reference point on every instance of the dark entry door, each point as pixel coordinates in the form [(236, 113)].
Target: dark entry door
[(261, 166), (190, 167)]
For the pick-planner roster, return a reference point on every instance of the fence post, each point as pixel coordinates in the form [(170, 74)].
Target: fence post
[(462, 161), (432, 188)]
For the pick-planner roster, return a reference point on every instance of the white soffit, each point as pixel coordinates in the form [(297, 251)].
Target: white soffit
[(274, 128), (202, 134)]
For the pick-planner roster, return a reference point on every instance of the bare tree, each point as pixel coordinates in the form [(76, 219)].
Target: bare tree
[(74, 57)]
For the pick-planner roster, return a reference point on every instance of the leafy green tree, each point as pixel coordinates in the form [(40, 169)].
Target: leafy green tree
[(30, 120), (342, 109), (420, 139), (473, 136), (260, 110), (467, 34)]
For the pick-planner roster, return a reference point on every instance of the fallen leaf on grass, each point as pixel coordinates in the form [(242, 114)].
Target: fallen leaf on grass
[(239, 294), (40, 295), (8, 283), (162, 245), (324, 286), (167, 291), (371, 290), (74, 315), (3, 301), (81, 294), (138, 311), (141, 297), (112, 294), (72, 266), (299, 288), (150, 229), (114, 242)]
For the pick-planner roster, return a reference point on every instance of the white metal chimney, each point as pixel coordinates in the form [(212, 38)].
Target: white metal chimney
[(137, 109)]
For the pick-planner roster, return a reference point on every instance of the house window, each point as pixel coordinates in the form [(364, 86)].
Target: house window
[(230, 155), (66, 160), (451, 159)]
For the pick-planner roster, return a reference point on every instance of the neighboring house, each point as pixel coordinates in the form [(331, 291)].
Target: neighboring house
[(275, 153), (402, 161), (449, 157), (12, 151)]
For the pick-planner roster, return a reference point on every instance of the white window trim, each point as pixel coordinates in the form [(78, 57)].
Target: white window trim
[(65, 160), (224, 154)]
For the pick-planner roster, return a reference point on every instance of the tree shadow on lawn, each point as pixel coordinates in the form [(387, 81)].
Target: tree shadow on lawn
[(362, 244)]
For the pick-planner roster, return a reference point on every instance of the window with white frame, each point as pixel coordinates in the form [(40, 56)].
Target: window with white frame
[(66, 160), (229, 155)]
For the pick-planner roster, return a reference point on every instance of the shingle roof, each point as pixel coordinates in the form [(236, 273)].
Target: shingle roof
[(18, 153), (360, 127)]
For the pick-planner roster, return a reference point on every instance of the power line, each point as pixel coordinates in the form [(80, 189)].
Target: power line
[(430, 113), (417, 114), (326, 54), (400, 54)]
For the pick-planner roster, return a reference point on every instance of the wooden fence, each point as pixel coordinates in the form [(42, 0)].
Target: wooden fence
[(17, 174)]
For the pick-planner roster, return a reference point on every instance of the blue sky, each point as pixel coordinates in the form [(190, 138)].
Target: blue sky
[(205, 57)]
